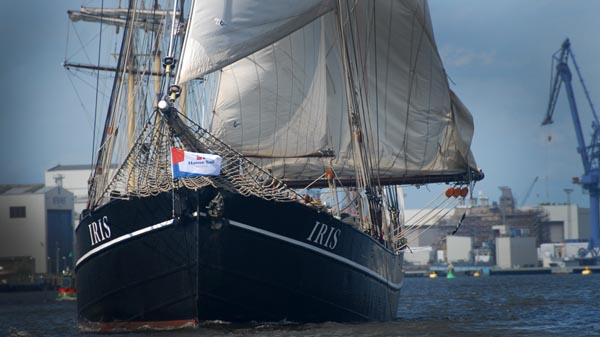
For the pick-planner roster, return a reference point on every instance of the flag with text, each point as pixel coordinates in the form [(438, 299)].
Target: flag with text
[(191, 164)]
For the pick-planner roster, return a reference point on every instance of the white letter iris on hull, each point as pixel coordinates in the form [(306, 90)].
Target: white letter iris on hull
[(324, 235), (99, 230)]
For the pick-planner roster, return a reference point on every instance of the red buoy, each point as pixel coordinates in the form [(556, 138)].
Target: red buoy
[(464, 191), (456, 193)]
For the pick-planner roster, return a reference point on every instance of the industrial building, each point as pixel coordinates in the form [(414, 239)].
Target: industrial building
[(516, 252), (572, 220), (518, 230), (36, 228), (459, 249), (419, 256), (562, 254), (73, 178)]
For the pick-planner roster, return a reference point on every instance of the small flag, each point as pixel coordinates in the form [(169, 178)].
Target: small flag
[(191, 164)]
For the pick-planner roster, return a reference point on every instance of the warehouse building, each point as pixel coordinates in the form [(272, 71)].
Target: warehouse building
[(73, 178), (36, 225), (575, 222)]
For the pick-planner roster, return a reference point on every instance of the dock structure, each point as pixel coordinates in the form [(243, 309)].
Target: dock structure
[(494, 271)]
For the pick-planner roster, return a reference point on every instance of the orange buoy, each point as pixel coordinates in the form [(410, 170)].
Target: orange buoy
[(449, 192), (456, 193), (464, 191)]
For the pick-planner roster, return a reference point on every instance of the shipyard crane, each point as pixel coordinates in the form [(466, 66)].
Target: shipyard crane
[(529, 191), (590, 154)]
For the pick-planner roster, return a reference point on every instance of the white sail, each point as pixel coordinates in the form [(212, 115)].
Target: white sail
[(285, 104), (293, 79), (222, 32), (417, 127), (397, 68), (272, 103)]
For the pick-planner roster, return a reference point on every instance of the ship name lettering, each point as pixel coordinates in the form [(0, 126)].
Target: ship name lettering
[(99, 230), (324, 235)]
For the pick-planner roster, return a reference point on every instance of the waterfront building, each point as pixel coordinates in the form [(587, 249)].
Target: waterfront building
[(575, 222), (75, 179), (418, 256), (36, 223), (562, 254), (459, 249), (486, 221), (516, 251)]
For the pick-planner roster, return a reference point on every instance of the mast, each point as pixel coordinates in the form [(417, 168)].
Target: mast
[(131, 119), (184, 88), (146, 19), (370, 196), (100, 175), (130, 108), (130, 90), (157, 73)]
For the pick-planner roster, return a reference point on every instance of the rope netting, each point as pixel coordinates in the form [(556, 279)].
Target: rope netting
[(147, 169)]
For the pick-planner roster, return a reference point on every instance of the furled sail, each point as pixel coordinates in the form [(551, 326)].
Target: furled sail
[(286, 104)]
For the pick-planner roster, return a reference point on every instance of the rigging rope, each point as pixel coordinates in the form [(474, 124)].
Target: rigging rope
[(424, 222), (147, 169), (97, 87)]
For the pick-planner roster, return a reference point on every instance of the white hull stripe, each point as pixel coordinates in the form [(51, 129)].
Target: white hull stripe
[(342, 259), (123, 238)]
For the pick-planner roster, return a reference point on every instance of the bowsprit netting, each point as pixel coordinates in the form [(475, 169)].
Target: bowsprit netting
[(147, 169)]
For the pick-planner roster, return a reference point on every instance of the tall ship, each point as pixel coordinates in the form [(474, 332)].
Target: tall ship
[(251, 158)]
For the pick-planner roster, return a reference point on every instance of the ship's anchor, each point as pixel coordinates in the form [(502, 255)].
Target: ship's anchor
[(215, 210)]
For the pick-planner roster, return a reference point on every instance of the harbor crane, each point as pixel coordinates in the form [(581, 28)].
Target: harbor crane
[(528, 193), (590, 154)]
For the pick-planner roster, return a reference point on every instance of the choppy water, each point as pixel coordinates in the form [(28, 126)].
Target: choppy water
[(532, 305)]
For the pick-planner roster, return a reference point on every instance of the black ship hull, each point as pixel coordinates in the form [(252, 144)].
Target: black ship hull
[(256, 260)]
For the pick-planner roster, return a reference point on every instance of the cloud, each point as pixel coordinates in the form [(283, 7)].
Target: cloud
[(459, 57)]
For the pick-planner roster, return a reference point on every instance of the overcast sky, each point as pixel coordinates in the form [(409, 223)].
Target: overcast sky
[(497, 54)]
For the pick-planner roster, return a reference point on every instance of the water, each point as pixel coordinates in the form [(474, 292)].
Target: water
[(524, 305)]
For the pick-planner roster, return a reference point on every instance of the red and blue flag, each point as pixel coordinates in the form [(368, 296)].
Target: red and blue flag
[(191, 164)]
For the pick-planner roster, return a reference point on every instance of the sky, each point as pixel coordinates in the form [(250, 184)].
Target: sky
[(497, 55)]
